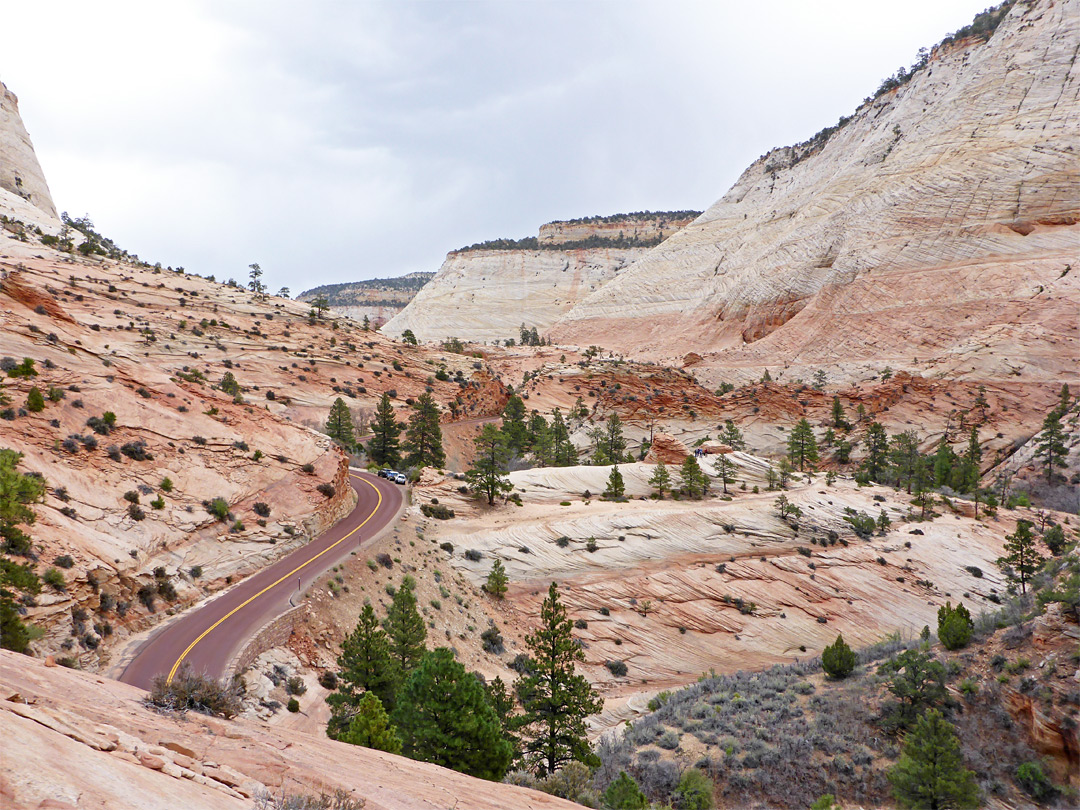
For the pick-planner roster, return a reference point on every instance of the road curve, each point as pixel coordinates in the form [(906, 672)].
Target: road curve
[(209, 637)]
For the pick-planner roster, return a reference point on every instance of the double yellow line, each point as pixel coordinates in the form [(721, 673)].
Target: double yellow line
[(245, 603)]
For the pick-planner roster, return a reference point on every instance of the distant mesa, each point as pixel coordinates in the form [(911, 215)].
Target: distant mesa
[(378, 299), (487, 291)]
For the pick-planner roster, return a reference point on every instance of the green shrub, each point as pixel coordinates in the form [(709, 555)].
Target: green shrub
[(954, 626), (293, 705), (437, 511), (838, 659), (54, 579), (1035, 783), (616, 668), (219, 508), (199, 693), (624, 794), (694, 792)]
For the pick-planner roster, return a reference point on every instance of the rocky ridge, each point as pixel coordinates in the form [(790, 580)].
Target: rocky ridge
[(486, 292), (377, 299), (934, 232), (20, 173)]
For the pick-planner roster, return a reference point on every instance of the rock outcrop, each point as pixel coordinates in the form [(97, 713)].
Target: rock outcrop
[(20, 172), (488, 291), (76, 741), (936, 230)]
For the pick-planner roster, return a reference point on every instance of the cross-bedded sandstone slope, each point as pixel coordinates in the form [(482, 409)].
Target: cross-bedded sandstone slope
[(935, 232), (488, 291)]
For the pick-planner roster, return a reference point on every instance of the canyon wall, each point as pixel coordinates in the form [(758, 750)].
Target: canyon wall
[(935, 231), (20, 172), (377, 299), (488, 291)]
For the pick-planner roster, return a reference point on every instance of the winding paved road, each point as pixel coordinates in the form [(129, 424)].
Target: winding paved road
[(210, 636)]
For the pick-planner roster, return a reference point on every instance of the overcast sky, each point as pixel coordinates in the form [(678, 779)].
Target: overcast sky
[(333, 141)]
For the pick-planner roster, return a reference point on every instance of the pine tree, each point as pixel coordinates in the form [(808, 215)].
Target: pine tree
[(922, 482), (443, 717), (364, 666), (732, 436), (784, 472), (1051, 445), (513, 425), (904, 454), (839, 420), (970, 469), (930, 772), (695, 483), (502, 701), (661, 479), (497, 580), (16, 491), (917, 681), (1022, 558), (339, 424), (14, 635), (563, 453), (555, 699), (229, 385), (408, 337), (539, 438), (838, 659), (616, 488), (802, 447), (370, 727), (877, 448), (579, 412), (383, 446), (1064, 398), (367, 324), (725, 469), (944, 461), (487, 475), (610, 444), (423, 436), (405, 629)]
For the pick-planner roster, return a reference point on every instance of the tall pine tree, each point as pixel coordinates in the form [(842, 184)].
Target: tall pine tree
[(802, 447), (1022, 558), (1050, 446), (364, 666), (514, 426), (931, 773), (423, 436), (877, 448), (555, 699), (383, 446), (487, 475), (405, 629), (444, 717), (339, 425), (563, 453)]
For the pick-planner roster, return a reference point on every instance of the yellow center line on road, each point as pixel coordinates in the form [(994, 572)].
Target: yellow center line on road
[(246, 602)]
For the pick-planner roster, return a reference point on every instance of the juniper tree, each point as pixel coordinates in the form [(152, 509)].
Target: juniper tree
[(35, 400), (443, 717), (917, 681), (364, 666), (1022, 558), (423, 436), (838, 659), (802, 447), (661, 478), (229, 384), (1050, 445), (405, 629), (385, 427), (487, 475), (555, 699), (339, 424)]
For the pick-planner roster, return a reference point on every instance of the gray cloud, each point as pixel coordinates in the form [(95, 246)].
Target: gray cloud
[(331, 141)]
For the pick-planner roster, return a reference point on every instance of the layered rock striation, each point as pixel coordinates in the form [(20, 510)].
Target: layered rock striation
[(935, 230), (487, 291)]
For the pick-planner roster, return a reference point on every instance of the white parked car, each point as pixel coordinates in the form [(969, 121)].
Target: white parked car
[(398, 478)]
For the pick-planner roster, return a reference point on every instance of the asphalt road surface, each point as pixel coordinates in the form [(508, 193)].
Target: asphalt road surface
[(209, 637)]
